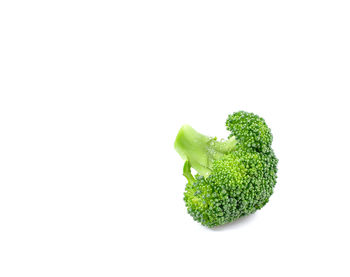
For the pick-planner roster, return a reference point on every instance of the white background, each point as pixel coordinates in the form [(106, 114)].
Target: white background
[(92, 94)]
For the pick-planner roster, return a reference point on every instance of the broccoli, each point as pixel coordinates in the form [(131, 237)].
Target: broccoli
[(234, 177)]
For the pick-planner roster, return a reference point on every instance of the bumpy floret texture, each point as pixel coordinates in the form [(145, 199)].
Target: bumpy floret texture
[(239, 184), (240, 181), (250, 130)]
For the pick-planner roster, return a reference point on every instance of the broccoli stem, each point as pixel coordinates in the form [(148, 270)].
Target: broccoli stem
[(187, 172), (200, 151)]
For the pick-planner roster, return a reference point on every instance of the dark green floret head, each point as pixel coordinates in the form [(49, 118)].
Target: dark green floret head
[(235, 177), (250, 130)]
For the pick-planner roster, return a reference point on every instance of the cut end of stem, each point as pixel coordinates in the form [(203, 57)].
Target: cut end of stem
[(199, 150)]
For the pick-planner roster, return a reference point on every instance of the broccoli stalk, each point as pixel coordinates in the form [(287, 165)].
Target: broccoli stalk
[(201, 151), (187, 173)]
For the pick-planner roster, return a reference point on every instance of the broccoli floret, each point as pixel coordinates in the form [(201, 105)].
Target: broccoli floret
[(235, 177), (250, 130)]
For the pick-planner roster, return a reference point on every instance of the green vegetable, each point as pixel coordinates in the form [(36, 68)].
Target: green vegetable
[(235, 177)]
